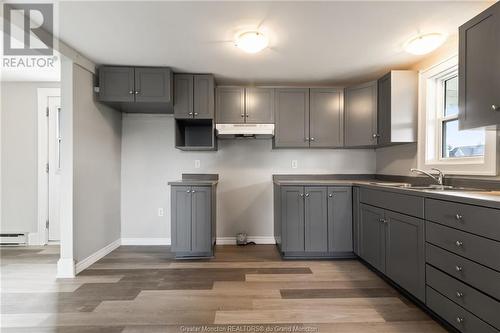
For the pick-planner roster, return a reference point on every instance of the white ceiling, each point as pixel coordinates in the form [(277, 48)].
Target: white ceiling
[(311, 42)]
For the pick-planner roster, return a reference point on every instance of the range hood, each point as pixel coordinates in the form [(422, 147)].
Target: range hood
[(257, 131)]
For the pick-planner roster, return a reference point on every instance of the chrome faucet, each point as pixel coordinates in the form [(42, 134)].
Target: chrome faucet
[(439, 178)]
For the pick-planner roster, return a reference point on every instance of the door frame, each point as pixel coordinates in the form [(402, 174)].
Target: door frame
[(43, 209)]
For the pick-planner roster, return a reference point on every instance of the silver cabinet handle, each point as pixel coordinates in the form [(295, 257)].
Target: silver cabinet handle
[(190, 113), (330, 195), (460, 320), (131, 92), (459, 243), (137, 92), (495, 107), (458, 268), (246, 115), (306, 139), (192, 191), (312, 139), (460, 294), (307, 194), (382, 220), (196, 113), (376, 135), (188, 191), (459, 217), (242, 115), (301, 194)]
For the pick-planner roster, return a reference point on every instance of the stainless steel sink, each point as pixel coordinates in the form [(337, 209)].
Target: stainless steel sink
[(429, 187)]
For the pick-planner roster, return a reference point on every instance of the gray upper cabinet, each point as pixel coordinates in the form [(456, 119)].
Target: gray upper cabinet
[(292, 215), (230, 105), (397, 95), (153, 84), (292, 118), (116, 84), (326, 118), (340, 226), (360, 105), (259, 105), (372, 236), (405, 252), (316, 219), (194, 96), (479, 70), (183, 96)]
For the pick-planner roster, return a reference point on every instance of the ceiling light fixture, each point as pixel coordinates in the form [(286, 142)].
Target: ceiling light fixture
[(251, 41), (424, 44)]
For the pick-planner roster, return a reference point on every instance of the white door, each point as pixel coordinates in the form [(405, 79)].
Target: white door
[(54, 162)]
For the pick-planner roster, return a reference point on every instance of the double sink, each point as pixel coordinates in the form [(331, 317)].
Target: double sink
[(428, 187)]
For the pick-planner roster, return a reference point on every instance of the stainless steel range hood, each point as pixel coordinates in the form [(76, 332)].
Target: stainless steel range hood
[(232, 131)]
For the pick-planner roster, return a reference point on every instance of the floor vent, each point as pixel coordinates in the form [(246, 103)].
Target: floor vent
[(12, 239)]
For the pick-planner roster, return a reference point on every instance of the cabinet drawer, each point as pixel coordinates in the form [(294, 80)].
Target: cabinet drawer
[(457, 316), (479, 249), (401, 203), (484, 307), (477, 220), (478, 276)]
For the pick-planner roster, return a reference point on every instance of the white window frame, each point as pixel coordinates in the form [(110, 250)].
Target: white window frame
[(431, 117)]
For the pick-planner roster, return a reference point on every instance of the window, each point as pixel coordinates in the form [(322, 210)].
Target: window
[(455, 143), (441, 144)]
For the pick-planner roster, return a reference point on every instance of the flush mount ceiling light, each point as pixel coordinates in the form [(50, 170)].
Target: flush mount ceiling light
[(424, 44), (251, 41)]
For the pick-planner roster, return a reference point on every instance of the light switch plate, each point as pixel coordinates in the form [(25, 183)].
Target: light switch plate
[(294, 164), (197, 164), (161, 212)]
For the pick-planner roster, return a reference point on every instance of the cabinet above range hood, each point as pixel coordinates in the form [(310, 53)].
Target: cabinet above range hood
[(257, 131)]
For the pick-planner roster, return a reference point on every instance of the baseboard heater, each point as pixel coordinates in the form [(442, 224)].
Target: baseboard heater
[(12, 239)]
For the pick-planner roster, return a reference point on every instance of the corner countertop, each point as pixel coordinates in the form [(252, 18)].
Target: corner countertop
[(486, 198), (196, 179)]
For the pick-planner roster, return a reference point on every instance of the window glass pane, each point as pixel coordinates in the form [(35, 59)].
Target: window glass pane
[(461, 143), (451, 96)]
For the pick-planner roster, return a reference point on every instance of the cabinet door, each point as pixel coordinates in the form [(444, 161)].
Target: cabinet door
[(404, 250), (201, 219), (116, 84), (372, 236), (384, 109), (316, 219), (181, 218), (355, 219), (204, 90), (183, 96), (292, 218), (153, 85), (360, 114), (339, 219), (479, 70), (230, 105), (326, 118), (292, 118), (259, 105)]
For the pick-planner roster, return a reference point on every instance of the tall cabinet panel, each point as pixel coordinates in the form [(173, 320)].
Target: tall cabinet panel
[(204, 99), (201, 219), (326, 118), (360, 115), (292, 212), (183, 96), (292, 118), (340, 219), (384, 110), (181, 218), (372, 236), (316, 219), (479, 70)]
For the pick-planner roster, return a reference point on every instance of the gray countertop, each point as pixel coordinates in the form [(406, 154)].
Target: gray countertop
[(196, 179), (480, 198)]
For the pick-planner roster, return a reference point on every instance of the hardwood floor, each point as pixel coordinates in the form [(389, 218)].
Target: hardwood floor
[(143, 289)]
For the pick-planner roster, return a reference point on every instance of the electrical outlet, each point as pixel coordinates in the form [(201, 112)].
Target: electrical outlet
[(161, 212), (197, 164), (294, 164)]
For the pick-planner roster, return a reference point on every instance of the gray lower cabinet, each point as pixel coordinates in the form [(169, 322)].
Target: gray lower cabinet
[(405, 252), (372, 236), (292, 118), (360, 125), (313, 221), (194, 96), (193, 220), (479, 70)]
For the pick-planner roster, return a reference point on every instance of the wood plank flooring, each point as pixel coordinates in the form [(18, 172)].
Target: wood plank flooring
[(244, 289)]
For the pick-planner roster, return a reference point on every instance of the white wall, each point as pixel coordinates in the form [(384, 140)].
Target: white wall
[(19, 155), (96, 169), (245, 168)]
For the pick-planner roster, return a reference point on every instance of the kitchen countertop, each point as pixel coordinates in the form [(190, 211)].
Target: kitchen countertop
[(196, 180), (480, 198)]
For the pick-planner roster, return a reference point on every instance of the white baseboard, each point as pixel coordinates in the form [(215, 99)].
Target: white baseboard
[(65, 268), (256, 239), (145, 241), (94, 257)]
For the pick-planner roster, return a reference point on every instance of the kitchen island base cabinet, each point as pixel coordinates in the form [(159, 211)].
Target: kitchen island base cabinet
[(313, 221), (193, 221)]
